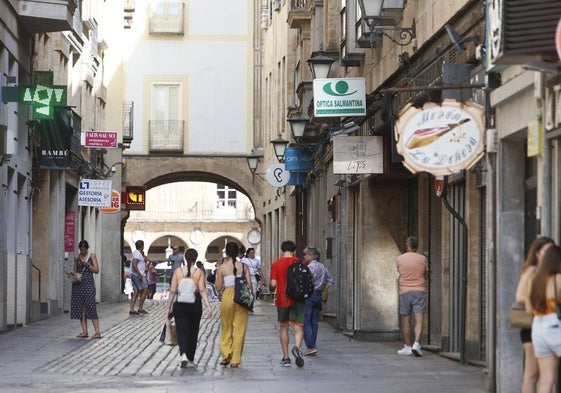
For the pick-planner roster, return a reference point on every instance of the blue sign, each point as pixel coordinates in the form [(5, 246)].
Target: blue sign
[(298, 159), (297, 179)]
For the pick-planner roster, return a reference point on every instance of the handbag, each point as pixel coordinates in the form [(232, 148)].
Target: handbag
[(75, 277), (557, 304), (168, 336), (242, 294), (519, 317)]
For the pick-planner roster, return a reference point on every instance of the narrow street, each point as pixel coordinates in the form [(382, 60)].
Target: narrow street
[(47, 357)]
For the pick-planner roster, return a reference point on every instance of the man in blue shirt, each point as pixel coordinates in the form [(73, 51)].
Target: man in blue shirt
[(322, 280), (175, 260)]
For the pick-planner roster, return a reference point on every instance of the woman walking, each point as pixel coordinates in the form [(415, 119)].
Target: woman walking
[(545, 292), (82, 304), (233, 316), (531, 373), (188, 315)]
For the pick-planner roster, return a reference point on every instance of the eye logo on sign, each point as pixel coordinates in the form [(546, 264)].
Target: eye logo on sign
[(341, 89)]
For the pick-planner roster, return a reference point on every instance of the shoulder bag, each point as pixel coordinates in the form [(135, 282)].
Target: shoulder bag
[(519, 317), (557, 304), (242, 294)]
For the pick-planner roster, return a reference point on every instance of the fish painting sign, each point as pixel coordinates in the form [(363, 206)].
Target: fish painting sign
[(440, 139)]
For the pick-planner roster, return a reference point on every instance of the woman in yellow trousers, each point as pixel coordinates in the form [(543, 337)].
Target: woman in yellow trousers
[(233, 316)]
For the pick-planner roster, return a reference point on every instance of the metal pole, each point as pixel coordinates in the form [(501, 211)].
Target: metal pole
[(463, 280)]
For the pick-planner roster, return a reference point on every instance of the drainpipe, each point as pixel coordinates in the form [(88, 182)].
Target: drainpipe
[(491, 202), (545, 173)]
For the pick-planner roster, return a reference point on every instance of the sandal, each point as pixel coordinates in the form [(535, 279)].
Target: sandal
[(97, 335), (225, 362), (234, 365), (82, 335)]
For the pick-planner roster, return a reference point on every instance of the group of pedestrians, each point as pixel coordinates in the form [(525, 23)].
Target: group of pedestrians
[(539, 290), (302, 315)]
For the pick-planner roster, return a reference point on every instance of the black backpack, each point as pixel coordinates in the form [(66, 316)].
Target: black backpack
[(299, 282)]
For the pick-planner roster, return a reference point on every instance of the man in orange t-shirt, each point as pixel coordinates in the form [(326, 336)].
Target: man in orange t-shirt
[(288, 311), (413, 272)]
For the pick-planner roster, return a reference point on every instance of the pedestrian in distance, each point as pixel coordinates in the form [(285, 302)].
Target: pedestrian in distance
[(531, 372), (153, 276), (545, 293), (82, 305), (138, 279), (254, 265), (413, 273), (188, 315), (175, 260), (233, 316), (289, 312), (322, 280)]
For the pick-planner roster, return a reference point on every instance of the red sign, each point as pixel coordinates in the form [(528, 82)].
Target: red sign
[(439, 185), (115, 203), (100, 139), (136, 198), (69, 234)]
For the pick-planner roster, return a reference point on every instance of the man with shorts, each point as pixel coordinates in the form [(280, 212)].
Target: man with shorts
[(138, 278), (413, 270), (288, 311)]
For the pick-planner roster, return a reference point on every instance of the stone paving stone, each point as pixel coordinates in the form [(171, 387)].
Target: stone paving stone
[(47, 357)]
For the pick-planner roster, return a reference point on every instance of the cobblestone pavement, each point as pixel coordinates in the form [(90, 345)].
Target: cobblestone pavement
[(47, 356)]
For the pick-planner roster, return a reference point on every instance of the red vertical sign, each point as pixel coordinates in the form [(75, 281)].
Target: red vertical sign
[(69, 227)]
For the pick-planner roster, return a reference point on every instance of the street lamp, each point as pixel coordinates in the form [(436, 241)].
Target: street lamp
[(253, 161), (279, 145), (372, 13), (320, 66), (298, 126)]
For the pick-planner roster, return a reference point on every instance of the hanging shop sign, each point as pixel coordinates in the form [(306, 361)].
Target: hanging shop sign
[(96, 193), (297, 178), (534, 138), (135, 198), (358, 154), (440, 139), (298, 159), (277, 175), (55, 136), (339, 97), (115, 203), (99, 139)]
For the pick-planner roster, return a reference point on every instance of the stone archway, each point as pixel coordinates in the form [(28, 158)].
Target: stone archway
[(152, 171)]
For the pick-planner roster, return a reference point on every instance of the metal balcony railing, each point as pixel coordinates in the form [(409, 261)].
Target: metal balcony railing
[(166, 135), (167, 17), (128, 114), (208, 215)]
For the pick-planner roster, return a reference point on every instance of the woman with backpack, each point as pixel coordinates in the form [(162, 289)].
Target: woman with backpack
[(188, 283), (234, 316)]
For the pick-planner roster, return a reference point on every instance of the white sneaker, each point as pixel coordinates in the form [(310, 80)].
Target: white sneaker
[(405, 351), (416, 349)]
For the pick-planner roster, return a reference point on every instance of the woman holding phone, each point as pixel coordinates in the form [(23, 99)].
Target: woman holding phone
[(82, 305)]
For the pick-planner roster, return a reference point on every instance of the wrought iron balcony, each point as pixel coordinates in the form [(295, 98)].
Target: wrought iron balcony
[(167, 18), (166, 135), (128, 129)]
